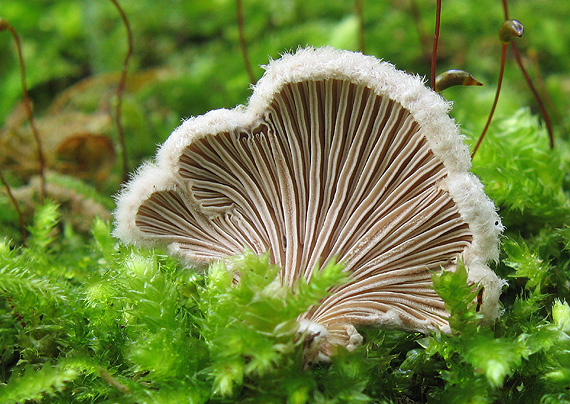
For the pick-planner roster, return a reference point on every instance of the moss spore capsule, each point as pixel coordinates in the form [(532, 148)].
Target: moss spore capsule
[(455, 77), (510, 30)]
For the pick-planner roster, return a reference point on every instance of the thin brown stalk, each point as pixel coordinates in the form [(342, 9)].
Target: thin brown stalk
[(243, 43), (530, 84), (435, 43), (121, 90), (16, 206), (359, 11), (506, 9), (490, 118), (537, 97), (28, 107)]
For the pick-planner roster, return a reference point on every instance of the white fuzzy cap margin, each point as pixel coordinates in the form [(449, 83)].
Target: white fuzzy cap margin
[(428, 108)]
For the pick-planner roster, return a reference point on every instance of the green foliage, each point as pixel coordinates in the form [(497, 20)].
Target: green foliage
[(136, 326), (89, 320), (252, 330), (35, 385), (129, 325), (524, 177), (84, 319), (524, 357), (458, 296)]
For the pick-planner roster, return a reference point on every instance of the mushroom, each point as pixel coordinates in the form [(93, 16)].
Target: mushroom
[(337, 155)]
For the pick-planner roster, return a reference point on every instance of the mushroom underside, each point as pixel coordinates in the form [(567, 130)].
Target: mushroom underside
[(332, 169)]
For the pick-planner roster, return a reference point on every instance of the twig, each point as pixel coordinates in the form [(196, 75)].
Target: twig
[(16, 206), (121, 89), (4, 24), (435, 43), (243, 43), (359, 10)]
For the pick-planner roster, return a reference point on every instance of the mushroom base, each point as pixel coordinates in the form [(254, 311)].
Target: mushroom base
[(318, 342)]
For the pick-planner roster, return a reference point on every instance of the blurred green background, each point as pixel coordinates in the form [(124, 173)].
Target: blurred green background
[(187, 60)]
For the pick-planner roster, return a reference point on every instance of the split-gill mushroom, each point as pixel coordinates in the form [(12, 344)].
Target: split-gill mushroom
[(337, 155)]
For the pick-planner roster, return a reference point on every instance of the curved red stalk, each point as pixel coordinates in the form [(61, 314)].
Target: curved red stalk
[(29, 113), (435, 43), (541, 106), (506, 9), (243, 43), (501, 73), (16, 206), (121, 90), (543, 110)]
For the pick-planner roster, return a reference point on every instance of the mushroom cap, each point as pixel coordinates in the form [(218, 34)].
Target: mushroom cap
[(337, 155)]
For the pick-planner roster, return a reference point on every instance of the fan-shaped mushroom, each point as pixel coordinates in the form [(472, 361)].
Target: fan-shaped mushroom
[(336, 155)]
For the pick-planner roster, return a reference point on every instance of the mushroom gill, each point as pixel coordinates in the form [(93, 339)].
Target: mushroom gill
[(338, 155)]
